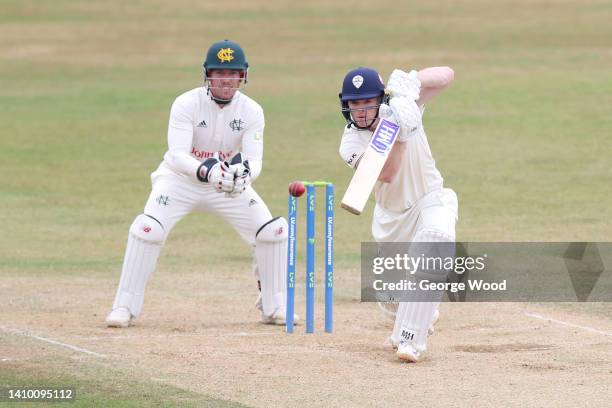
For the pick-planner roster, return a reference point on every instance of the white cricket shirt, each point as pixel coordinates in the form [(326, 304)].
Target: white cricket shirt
[(417, 174), (198, 128)]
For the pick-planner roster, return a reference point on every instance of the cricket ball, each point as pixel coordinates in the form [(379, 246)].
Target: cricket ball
[(297, 189)]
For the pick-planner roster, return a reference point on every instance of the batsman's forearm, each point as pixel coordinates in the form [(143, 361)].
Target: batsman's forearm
[(436, 77), (393, 163), (433, 81)]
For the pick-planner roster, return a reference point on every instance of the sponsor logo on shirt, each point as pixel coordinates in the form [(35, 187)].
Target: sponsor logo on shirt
[(201, 154), (202, 124)]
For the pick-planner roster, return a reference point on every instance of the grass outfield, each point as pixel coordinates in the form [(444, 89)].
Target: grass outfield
[(102, 390), (522, 136)]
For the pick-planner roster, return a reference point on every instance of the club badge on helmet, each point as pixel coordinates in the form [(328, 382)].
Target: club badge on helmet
[(224, 54), (361, 83)]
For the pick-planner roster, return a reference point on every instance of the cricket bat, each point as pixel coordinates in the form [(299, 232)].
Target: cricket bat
[(370, 166)]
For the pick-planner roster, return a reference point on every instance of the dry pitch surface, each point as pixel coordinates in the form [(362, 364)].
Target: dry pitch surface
[(481, 354)]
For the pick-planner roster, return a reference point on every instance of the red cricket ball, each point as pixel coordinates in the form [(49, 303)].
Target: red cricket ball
[(296, 189)]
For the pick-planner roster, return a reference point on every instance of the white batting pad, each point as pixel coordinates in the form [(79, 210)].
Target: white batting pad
[(271, 254), (145, 241), (412, 323), (414, 317)]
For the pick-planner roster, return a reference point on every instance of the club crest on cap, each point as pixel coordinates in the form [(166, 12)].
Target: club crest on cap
[(225, 55), (357, 81)]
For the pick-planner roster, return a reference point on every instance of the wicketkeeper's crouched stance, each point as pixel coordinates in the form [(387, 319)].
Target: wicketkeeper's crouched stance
[(411, 203), (215, 151)]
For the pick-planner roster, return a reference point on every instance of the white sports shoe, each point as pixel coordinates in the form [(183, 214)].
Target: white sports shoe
[(407, 352), (277, 318), (120, 317)]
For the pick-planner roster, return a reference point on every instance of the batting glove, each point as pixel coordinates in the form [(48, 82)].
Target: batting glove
[(404, 84), (408, 115)]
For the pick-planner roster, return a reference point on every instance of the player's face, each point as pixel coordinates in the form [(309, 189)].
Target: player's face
[(223, 83), (364, 111)]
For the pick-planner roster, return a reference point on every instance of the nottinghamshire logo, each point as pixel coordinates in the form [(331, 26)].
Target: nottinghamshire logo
[(225, 55), (163, 200), (236, 125)]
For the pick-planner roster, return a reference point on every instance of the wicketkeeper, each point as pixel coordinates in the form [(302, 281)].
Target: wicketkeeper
[(411, 203), (215, 152)]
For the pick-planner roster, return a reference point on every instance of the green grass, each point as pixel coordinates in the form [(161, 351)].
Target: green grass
[(103, 390), (522, 135)]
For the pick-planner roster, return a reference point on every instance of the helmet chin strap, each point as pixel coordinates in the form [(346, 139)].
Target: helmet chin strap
[(219, 101), (367, 126)]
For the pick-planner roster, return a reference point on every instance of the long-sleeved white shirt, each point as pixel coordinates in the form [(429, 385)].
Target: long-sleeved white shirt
[(198, 128)]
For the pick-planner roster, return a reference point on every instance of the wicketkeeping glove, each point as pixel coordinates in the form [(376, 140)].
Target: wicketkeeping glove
[(216, 173), (404, 84), (242, 175)]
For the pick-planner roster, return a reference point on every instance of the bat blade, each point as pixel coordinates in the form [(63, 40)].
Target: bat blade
[(370, 166)]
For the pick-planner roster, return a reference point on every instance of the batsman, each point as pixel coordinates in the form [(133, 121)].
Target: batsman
[(412, 204), (215, 152)]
